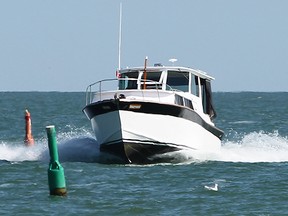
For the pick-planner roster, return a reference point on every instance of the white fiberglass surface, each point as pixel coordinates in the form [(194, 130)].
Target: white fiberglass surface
[(166, 129)]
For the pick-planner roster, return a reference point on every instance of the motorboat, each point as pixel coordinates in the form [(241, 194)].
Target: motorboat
[(147, 112)]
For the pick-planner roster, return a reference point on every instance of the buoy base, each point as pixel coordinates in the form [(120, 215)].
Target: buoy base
[(58, 192), (29, 142)]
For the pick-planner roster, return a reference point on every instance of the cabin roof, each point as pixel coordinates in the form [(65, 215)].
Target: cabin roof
[(196, 72)]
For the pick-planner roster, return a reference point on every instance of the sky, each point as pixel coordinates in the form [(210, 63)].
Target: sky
[(65, 45)]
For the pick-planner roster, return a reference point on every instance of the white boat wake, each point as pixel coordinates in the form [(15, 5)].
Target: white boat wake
[(252, 148)]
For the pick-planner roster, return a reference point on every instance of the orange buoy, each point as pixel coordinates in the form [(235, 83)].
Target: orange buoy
[(29, 141)]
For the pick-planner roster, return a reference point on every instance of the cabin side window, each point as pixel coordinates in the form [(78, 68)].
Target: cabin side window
[(204, 96), (178, 80), (194, 85), (207, 98), (128, 80)]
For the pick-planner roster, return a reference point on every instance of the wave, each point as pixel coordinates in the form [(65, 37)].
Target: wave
[(254, 147), (257, 147), (80, 146), (74, 146), (243, 122)]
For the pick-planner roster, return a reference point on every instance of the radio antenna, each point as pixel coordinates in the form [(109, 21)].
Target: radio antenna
[(120, 38)]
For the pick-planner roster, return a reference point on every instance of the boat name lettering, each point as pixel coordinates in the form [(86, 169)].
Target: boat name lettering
[(134, 106)]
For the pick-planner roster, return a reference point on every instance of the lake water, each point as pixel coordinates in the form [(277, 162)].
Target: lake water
[(250, 169)]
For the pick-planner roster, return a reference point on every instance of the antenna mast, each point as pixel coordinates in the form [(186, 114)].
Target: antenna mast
[(120, 38)]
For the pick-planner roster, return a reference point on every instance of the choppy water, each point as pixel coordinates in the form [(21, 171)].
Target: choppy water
[(250, 169)]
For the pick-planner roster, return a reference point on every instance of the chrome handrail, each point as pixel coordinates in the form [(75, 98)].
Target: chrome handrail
[(89, 89), (89, 92)]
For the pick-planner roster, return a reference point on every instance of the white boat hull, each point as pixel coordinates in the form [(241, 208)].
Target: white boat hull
[(137, 137)]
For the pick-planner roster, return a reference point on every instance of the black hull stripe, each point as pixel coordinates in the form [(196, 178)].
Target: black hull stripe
[(138, 153), (102, 107), (148, 142)]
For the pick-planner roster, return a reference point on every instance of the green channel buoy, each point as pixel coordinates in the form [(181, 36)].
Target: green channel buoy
[(56, 178)]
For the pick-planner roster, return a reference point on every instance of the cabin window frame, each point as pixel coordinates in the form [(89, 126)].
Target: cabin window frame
[(176, 87), (194, 84), (124, 82), (155, 83)]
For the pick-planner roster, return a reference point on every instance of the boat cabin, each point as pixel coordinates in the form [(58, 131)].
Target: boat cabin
[(188, 83)]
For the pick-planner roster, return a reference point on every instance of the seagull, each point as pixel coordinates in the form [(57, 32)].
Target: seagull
[(212, 188)]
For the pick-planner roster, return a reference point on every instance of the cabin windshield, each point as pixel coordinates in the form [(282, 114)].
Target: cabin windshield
[(178, 80), (152, 80), (153, 76), (128, 80)]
